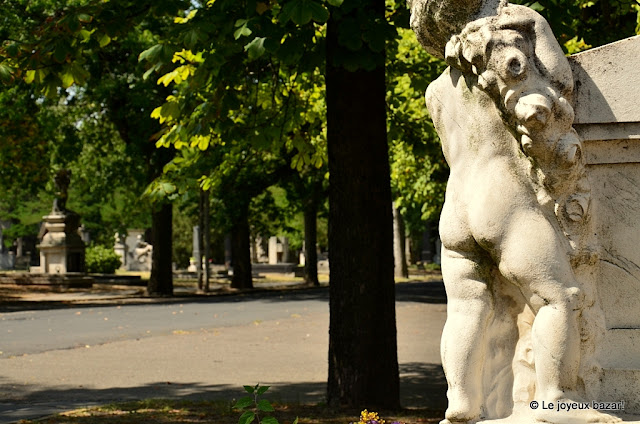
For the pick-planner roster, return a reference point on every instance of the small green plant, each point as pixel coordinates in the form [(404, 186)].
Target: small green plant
[(102, 260), (257, 406)]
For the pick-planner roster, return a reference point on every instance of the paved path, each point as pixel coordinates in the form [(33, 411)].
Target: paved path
[(200, 349)]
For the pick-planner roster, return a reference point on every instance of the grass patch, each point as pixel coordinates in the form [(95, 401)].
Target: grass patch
[(157, 411)]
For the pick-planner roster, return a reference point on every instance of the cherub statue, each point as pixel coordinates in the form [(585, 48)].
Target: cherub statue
[(516, 207)]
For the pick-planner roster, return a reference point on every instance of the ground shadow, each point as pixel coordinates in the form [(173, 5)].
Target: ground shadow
[(422, 386)]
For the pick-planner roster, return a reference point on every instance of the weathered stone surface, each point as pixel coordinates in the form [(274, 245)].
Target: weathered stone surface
[(606, 80), (608, 120), (61, 247), (540, 256)]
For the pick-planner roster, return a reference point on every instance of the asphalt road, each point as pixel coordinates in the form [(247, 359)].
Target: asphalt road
[(60, 359), (31, 332)]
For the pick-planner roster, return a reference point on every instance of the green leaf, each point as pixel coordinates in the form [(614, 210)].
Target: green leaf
[(336, 3), (6, 74), (30, 76), (67, 79), (104, 39), (167, 188), (73, 25), (13, 49), (301, 13), (151, 54), (60, 52), (295, 421), (263, 389), (255, 48), (191, 38), (84, 18), (269, 420), (50, 89), (86, 35), (247, 417), (80, 74), (265, 405), (242, 31), (319, 13), (243, 402)]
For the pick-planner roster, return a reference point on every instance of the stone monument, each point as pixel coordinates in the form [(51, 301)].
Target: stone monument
[(61, 247), (138, 253), (526, 257)]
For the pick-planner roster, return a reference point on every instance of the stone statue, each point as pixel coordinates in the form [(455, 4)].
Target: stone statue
[(62, 180), (143, 250), (515, 224)]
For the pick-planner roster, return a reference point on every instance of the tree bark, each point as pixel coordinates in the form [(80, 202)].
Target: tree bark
[(200, 242), (161, 280), (310, 241), (206, 237), (363, 362), (240, 250), (400, 268)]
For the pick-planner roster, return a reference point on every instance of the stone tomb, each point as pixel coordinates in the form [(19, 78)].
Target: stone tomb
[(607, 117)]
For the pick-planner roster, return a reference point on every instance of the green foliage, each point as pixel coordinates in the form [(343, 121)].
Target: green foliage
[(590, 23), (183, 222), (48, 42), (258, 406), (418, 168), (102, 260)]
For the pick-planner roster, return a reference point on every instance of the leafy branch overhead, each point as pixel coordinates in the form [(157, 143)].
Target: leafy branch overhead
[(245, 73)]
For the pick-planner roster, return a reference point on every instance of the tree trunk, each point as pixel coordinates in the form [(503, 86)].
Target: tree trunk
[(206, 237), (161, 280), (363, 362), (200, 243), (399, 250), (240, 250), (310, 241)]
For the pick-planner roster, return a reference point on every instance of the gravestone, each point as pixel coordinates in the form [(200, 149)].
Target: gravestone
[(278, 250), (539, 257)]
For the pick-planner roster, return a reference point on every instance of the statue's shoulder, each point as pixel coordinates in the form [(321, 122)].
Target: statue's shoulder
[(442, 91)]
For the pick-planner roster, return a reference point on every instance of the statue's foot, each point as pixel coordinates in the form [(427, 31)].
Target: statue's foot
[(572, 412), (458, 420)]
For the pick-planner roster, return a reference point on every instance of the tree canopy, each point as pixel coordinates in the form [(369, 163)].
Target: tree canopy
[(232, 96)]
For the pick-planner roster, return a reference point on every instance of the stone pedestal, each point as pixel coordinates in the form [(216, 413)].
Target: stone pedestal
[(61, 247), (608, 120), (121, 250)]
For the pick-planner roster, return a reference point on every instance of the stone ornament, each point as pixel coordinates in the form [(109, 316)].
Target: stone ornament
[(62, 180), (523, 320)]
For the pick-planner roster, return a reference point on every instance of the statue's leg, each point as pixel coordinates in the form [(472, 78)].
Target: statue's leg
[(533, 254), (463, 339)]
